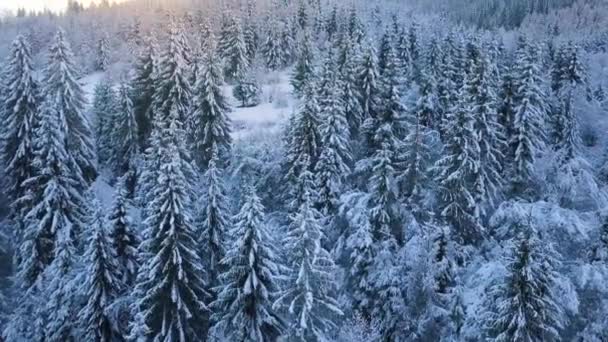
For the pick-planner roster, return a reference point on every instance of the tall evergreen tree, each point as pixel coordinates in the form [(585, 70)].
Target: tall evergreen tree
[(482, 101), (303, 146), (233, 49), (214, 217), (210, 126), (125, 137), (20, 105), (103, 53), (59, 311), (123, 236), (335, 156), (243, 308), (455, 173), (524, 305), (347, 79), (101, 282), (143, 85), (170, 289), (272, 48), (369, 89), (62, 86), (308, 294), (304, 69), (57, 202), (528, 122), (104, 109), (172, 90)]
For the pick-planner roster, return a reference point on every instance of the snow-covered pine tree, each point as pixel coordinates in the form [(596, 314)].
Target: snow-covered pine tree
[(308, 293), (304, 68), (427, 104), (402, 51), (59, 312), (524, 305), (354, 25), (482, 100), (528, 122), (360, 245), (506, 111), (61, 86), (170, 288), (386, 45), (213, 219), (568, 68), (247, 91), (210, 126), (304, 136), (369, 89), (101, 282), (172, 90), (55, 195), (250, 34), (243, 308), (455, 173), (347, 79), (272, 47), (19, 102), (233, 49), (335, 154), (417, 156), (103, 53), (123, 236), (124, 136), (287, 42), (143, 85), (104, 108), (384, 213)]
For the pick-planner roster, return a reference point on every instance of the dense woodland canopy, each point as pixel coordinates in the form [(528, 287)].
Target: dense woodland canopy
[(439, 174)]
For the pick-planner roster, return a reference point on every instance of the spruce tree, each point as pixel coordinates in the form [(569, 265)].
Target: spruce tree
[(482, 100), (104, 108), (308, 294), (524, 305), (455, 172), (386, 45), (101, 282), (210, 127), (170, 288), (304, 68), (426, 106), (335, 156), (57, 201), (103, 53), (347, 79), (20, 105), (124, 238), (417, 160), (243, 308), (61, 85), (530, 109), (125, 136), (272, 49), (369, 89), (213, 219), (172, 90), (143, 84), (303, 146), (59, 311), (233, 49), (359, 278)]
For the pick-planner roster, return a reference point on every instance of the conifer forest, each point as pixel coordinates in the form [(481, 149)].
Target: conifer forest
[(304, 170)]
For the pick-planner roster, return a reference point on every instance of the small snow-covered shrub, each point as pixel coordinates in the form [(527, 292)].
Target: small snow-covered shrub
[(247, 92), (589, 136)]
